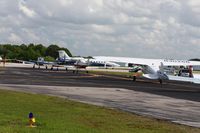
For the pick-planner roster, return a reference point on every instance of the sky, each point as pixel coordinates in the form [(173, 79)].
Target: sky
[(129, 28)]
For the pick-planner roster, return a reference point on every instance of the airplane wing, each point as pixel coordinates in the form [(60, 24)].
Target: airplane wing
[(195, 79), (135, 61), (148, 62), (167, 62)]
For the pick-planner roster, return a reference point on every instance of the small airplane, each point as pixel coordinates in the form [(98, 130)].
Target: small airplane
[(41, 62), (62, 60), (81, 62), (77, 62), (155, 68)]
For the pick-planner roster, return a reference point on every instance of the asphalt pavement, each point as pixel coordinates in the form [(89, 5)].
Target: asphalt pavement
[(175, 101)]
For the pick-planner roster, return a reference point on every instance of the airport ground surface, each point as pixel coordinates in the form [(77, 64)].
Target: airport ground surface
[(175, 101)]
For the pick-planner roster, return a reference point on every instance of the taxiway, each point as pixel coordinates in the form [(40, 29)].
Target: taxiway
[(174, 101)]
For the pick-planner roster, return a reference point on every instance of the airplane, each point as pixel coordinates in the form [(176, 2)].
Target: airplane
[(69, 62), (62, 60), (41, 62), (81, 62), (155, 68)]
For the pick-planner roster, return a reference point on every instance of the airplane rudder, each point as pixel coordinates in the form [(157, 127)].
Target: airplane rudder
[(63, 54)]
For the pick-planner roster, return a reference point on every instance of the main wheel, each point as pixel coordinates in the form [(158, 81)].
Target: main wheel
[(134, 78), (160, 81)]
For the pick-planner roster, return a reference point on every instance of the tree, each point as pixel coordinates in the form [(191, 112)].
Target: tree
[(49, 58), (41, 49), (196, 59), (67, 51), (3, 52), (23, 47), (30, 52), (52, 51)]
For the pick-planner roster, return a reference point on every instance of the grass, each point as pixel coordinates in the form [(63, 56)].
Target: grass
[(58, 115), (196, 72)]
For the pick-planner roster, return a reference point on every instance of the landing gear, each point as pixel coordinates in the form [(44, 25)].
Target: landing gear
[(75, 71), (134, 78), (160, 81), (46, 67)]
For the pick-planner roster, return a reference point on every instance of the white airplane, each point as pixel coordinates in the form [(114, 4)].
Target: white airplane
[(154, 68), (78, 62), (148, 68), (63, 60), (81, 62)]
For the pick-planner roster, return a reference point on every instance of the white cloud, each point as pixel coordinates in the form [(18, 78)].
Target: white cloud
[(136, 28), (27, 11), (102, 28), (14, 38), (121, 18), (65, 2)]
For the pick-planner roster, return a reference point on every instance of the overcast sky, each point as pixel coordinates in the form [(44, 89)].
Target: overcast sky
[(133, 28)]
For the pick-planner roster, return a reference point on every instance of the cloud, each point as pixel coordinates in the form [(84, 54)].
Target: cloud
[(102, 28), (27, 11), (134, 28), (14, 38)]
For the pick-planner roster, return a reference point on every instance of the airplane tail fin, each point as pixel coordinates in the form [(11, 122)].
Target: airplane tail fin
[(63, 55)]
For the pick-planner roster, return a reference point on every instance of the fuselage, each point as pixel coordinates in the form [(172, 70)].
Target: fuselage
[(151, 68)]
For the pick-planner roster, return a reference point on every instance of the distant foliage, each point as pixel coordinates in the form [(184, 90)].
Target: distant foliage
[(49, 58), (196, 59), (30, 51)]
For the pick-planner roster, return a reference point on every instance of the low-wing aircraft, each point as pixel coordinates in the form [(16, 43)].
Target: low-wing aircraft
[(41, 62), (80, 62), (62, 61), (154, 68)]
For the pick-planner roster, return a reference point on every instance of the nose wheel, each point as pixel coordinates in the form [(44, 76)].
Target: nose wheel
[(160, 81), (134, 78)]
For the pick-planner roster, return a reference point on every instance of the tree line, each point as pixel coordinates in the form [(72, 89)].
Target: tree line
[(31, 51)]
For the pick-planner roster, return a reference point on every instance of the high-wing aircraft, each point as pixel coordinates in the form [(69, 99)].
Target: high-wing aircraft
[(155, 68)]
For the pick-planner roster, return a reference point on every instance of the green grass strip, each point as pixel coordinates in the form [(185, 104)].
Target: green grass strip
[(58, 115)]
